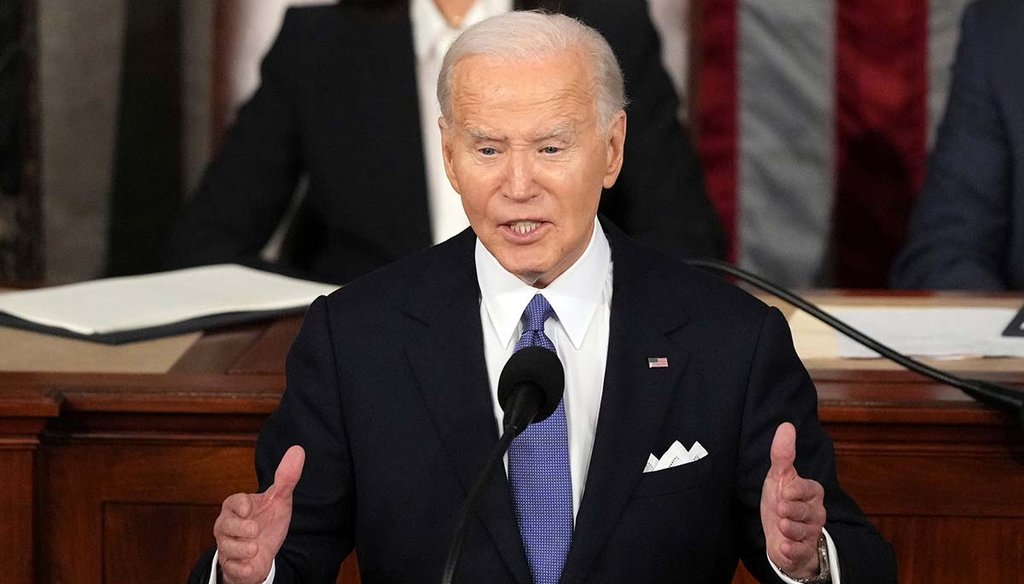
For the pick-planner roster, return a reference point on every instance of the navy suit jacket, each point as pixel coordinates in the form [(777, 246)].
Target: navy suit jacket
[(388, 393), (338, 104), (967, 231)]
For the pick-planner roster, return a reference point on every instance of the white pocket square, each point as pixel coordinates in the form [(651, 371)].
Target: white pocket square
[(676, 455)]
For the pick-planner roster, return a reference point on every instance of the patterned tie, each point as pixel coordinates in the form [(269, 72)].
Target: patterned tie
[(538, 471)]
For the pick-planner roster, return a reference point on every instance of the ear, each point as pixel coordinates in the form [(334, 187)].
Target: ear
[(447, 150), (615, 148)]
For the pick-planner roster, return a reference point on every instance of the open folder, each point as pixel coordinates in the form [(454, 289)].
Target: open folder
[(135, 308)]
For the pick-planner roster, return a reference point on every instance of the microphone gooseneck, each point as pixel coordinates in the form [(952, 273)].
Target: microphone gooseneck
[(529, 389), (997, 395)]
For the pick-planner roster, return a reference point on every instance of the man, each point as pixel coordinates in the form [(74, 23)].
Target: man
[(347, 101), (967, 232), (391, 418)]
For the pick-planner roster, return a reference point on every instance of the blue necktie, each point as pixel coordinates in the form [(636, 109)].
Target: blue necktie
[(538, 471)]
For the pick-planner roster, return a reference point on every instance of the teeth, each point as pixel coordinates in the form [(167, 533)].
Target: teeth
[(524, 227)]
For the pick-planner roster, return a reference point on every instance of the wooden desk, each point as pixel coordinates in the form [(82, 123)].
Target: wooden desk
[(117, 476)]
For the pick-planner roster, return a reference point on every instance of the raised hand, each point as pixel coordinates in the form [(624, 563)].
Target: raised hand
[(792, 510), (252, 527)]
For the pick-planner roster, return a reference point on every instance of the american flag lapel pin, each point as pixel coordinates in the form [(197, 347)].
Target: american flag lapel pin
[(657, 362)]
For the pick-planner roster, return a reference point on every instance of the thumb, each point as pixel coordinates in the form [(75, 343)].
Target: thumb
[(288, 472), (783, 452)]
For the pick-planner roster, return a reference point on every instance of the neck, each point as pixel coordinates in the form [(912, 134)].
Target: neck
[(454, 11)]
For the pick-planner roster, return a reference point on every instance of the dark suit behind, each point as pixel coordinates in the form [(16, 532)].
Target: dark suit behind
[(338, 104), (967, 231), (388, 392)]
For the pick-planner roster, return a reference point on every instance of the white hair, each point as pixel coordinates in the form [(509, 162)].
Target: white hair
[(529, 35)]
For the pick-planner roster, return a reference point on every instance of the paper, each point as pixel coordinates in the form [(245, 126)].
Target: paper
[(136, 302), (960, 332)]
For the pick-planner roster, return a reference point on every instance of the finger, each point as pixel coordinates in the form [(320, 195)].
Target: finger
[(783, 452), (237, 527), (800, 489), (809, 513), (798, 532), (237, 570), (231, 548), (238, 505), (288, 472), (794, 511), (797, 553)]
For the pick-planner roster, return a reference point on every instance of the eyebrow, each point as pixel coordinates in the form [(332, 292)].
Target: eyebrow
[(479, 135), (563, 131)]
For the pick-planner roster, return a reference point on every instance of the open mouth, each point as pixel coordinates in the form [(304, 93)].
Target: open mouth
[(523, 227)]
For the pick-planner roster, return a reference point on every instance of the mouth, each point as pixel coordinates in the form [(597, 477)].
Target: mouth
[(525, 231), (523, 227)]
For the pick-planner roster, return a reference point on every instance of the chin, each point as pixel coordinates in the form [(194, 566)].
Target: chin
[(526, 274), (529, 264), (530, 279)]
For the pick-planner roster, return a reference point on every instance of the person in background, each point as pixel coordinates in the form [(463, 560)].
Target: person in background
[(967, 230), (346, 102), (687, 436)]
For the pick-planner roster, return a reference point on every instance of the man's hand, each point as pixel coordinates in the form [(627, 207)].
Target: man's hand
[(251, 528), (792, 510)]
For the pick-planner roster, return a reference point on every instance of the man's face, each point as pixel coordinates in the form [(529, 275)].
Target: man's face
[(524, 150)]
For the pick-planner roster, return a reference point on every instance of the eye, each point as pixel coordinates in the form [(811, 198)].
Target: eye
[(550, 150), (488, 151)]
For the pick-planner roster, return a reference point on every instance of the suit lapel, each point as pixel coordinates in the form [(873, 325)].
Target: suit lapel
[(448, 361), (634, 401)]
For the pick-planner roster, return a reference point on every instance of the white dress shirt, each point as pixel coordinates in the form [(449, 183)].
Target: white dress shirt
[(431, 36), (581, 298)]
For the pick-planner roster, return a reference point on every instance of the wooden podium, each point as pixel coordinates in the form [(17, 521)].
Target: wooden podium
[(112, 469)]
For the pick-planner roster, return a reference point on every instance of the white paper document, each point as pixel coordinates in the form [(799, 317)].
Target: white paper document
[(136, 302), (948, 332)]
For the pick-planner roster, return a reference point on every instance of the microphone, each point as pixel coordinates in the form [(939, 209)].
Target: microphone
[(997, 395), (529, 389)]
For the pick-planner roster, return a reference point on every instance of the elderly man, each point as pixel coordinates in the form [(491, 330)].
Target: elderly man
[(674, 451), (346, 101)]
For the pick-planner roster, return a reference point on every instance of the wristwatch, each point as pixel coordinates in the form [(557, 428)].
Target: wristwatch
[(824, 575)]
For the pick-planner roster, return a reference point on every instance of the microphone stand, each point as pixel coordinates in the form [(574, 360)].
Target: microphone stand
[(529, 389), (455, 549), (997, 395)]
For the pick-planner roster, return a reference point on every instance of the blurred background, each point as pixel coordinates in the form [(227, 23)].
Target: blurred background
[(813, 120)]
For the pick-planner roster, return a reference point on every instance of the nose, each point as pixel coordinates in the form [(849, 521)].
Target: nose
[(520, 184)]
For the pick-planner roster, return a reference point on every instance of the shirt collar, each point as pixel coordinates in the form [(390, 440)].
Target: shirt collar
[(431, 32), (575, 295)]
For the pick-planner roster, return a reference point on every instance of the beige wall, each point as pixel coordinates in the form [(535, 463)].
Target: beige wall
[(79, 79), (79, 57), (671, 19)]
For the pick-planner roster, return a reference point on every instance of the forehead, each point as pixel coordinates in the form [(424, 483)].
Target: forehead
[(554, 85)]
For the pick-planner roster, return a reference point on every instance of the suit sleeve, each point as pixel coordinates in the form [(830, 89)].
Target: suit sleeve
[(959, 231), (660, 196), (310, 414), (247, 187), (780, 390)]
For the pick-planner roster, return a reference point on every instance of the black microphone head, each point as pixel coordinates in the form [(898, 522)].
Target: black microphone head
[(533, 366)]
